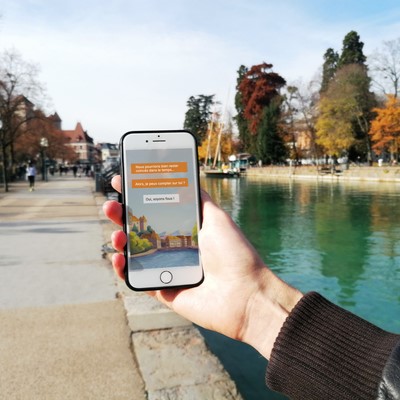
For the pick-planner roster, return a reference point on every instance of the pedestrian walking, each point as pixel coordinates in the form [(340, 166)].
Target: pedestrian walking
[(31, 174)]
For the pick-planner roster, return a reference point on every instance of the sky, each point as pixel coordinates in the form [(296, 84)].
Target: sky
[(120, 65)]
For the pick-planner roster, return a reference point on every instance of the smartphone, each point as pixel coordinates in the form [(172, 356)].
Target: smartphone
[(161, 209)]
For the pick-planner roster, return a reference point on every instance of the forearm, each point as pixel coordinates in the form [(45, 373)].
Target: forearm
[(267, 311), (325, 352)]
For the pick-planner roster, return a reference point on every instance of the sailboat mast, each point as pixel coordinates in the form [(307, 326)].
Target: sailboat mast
[(221, 126), (218, 148), (208, 153)]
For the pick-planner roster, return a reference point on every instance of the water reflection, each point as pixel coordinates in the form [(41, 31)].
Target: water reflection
[(335, 237), (341, 239)]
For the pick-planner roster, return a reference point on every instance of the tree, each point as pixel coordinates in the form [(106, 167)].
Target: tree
[(338, 108), (385, 67), (346, 94), (270, 145), (352, 53), (299, 117), (258, 87), (329, 67), (245, 137), (260, 103), (289, 120), (334, 127), (346, 112), (307, 98), (352, 50), (385, 128), (195, 235), (27, 145), (198, 115), (218, 144), (18, 82), (355, 78), (346, 101), (138, 245)]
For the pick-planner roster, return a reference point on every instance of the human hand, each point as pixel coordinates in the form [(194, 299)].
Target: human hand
[(239, 297)]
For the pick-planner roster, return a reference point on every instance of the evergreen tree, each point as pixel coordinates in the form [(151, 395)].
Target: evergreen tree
[(270, 146), (331, 59), (345, 107), (198, 115), (352, 51), (246, 139)]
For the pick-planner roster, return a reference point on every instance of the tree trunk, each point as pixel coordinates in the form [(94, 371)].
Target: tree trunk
[(364, 125), (369, 150)]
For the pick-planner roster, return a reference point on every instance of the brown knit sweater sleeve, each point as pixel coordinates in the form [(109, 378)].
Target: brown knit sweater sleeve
[(325, 352)]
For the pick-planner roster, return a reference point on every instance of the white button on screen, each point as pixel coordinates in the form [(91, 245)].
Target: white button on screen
[(166, 277)]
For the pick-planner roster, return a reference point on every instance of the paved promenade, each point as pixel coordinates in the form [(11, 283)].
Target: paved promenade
[(63, 332), (68, 328)]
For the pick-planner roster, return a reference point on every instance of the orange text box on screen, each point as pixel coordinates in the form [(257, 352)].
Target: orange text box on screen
[(159, 168), (159, 183)]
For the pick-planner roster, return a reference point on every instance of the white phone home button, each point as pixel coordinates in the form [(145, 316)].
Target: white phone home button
[(166, 277)]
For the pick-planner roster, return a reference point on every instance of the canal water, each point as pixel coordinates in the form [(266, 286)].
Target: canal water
[(341, 239)]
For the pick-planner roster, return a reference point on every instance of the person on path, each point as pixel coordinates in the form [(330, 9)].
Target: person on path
[(31, 174)]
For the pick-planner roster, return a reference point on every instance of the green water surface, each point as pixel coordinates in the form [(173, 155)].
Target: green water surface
[(340, 239)]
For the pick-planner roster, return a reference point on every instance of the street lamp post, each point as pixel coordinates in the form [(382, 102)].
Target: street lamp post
[(3, 162), (44, 143)]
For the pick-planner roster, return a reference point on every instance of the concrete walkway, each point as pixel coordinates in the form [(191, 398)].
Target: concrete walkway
[(63, 332)]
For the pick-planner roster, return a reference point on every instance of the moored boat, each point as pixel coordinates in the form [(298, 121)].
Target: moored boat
[(215, 173)]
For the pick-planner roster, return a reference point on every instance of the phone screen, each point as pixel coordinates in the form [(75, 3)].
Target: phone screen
[(161, 215)]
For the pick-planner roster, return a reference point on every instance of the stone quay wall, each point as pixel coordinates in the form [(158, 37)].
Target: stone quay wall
[(352, 173)]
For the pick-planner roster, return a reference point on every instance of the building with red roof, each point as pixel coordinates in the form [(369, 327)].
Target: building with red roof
[(79, 140)]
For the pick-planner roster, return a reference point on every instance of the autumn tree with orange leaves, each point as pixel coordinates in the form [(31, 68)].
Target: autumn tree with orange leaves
[(27, 146), (385, 128), (218, 145), (259, 89)]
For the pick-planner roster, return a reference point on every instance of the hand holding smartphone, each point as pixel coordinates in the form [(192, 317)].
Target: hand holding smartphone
[(161, 209)]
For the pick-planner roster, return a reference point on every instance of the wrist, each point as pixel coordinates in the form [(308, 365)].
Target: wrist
[(267, 311)]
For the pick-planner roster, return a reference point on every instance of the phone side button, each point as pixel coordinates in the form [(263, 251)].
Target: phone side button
[(166, 277)]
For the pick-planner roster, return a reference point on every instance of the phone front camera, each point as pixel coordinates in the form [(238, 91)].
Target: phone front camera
[(147, 141)]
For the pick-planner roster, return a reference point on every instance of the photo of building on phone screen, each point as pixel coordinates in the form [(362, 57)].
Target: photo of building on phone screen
[(162, 204)]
